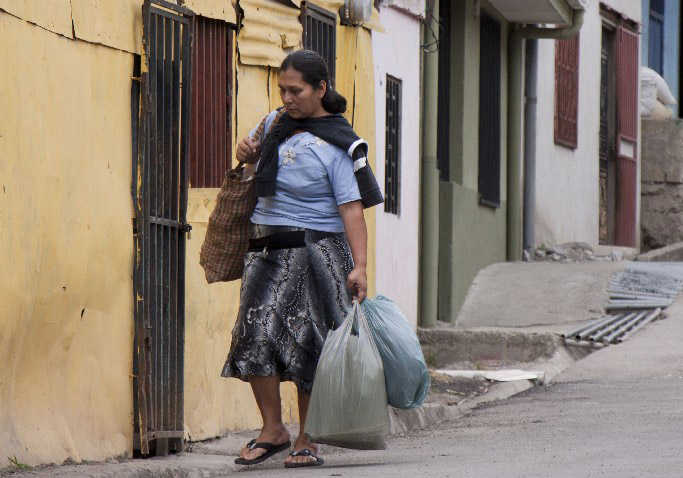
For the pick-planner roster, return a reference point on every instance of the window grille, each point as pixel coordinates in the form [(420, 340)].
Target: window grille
[(392, 151), (567, 91), (489, 112), (655, 45), (211, 129), (320, 34)]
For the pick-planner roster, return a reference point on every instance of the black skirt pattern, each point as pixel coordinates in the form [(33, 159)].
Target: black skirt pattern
[(289, 299)]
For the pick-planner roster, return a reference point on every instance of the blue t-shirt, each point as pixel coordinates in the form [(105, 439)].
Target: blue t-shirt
[(314, 177)]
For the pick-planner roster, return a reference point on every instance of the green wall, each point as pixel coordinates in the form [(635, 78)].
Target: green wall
[(471, 236)]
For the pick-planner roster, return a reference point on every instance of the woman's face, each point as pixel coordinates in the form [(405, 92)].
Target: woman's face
[(299, 98)]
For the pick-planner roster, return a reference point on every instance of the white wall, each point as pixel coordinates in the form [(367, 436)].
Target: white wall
[(567, 181), (397, 53)]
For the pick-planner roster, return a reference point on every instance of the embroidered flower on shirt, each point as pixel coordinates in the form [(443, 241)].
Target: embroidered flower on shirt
[(288, 156)]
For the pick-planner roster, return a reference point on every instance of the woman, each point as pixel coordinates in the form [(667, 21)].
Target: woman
[(308, 252)]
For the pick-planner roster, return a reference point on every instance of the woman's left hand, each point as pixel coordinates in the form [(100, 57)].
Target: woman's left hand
[(358, 283)]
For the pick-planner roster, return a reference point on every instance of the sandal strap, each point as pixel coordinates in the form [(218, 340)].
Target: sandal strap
[(303, 452), (266, 446)]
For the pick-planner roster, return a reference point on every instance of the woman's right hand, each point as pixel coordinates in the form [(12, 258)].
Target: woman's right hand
[(248, 151)]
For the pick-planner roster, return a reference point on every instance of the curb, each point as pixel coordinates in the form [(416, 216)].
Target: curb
[(406, 421)]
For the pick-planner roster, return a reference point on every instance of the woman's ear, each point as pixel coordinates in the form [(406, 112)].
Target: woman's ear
[(322, 89)]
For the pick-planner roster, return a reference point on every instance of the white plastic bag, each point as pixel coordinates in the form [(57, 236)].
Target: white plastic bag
[(663, 92), (348, 406)]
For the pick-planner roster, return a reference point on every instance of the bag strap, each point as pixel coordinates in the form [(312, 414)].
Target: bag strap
[(261, 128)]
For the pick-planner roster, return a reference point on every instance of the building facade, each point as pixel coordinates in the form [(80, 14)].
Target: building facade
[(102, 286), (397, 109)]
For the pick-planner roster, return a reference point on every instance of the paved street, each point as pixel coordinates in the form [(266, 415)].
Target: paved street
[(617, 413)]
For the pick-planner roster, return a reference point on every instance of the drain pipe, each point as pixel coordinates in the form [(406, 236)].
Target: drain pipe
[(515, 177), (429, 187), (531, 89)]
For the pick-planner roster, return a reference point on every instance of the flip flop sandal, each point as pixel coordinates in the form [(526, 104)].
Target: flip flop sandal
[(271, 449), (305, 452)]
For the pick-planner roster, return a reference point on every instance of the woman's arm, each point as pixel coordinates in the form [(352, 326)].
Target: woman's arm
[(357, 234)]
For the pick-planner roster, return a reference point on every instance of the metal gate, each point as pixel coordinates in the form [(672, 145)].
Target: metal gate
[(160, 182)]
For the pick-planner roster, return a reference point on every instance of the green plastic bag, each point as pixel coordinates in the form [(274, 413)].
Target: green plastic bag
[(405, 370), (348, 406)]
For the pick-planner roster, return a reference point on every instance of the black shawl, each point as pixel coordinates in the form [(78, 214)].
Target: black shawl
[(331, 128)]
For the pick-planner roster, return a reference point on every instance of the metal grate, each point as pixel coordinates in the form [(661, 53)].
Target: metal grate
[(212, 69), (392, 153), (638, 295), (320, 34), (160, 198), (655, 45), (627, 137), (444, 92), (567, 91), (489, 112)]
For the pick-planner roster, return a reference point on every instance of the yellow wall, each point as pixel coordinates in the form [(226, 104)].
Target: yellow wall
[(65, 227), (66, 311)]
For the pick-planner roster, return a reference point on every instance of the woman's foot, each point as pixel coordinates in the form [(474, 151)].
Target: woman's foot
[(277, 435), (303, 443)]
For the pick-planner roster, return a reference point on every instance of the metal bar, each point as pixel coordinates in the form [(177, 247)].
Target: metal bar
[(167, 434), (575, 332), (165, 253), (186, 106), (608, 339), (172, 16), (653, 316), (598, 334), (173, 260), (589, 331), (142, 204)]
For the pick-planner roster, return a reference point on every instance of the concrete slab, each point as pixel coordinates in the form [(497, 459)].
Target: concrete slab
[(537, 294)]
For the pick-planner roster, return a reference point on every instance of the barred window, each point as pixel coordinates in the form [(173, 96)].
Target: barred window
[(212, 73), (320, 34), (567, 92), (392, 146), (489, 112)]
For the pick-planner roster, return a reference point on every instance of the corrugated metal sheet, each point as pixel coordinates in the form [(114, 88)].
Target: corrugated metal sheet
[(210, 148), (114, 24), (53, 15), (268, 27), (627, 114), (216, 9)]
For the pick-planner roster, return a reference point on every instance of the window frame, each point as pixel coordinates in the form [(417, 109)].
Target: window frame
[(392, 145), (328, 50), (567, 86), (490, 113)]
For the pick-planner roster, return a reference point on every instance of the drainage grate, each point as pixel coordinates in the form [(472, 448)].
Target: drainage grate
[(638, 295)]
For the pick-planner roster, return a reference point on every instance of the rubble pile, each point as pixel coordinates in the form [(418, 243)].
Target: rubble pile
[(570, 253)]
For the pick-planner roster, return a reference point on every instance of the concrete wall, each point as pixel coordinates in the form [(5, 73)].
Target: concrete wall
[(662, 183), (397, 53), (567, 180), (66, 308), (472, 236), (672, 45)]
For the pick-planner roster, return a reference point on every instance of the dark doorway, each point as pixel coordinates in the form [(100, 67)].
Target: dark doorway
[(607, 175)]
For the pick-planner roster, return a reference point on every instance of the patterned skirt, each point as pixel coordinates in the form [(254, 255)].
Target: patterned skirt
[(289, 299)]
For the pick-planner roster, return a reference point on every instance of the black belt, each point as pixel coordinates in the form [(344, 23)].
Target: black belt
[(278, 240)]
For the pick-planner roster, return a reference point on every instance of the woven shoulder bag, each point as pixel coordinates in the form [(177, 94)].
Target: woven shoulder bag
[(227, 234)]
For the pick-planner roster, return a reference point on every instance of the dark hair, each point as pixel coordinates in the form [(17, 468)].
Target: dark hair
[(313, 68)]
